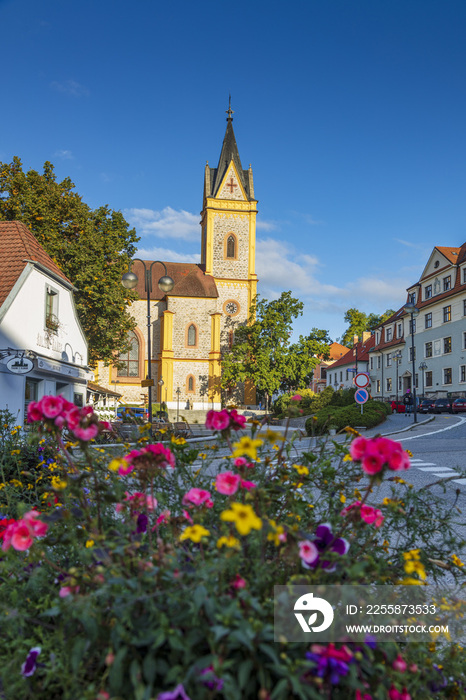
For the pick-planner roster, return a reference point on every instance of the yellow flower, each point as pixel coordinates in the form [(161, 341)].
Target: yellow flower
[(15, 482), (413, 566), (456, 560), (342, 498), (392, 502), (273, 436), (347, 458), (274, 536), (351, 431), (409, 453), (57, 483), (89, 543), (229, 541), (411, 554), (301, 469), (2, 486), (178, 440), (408, 581), (194, 533), (15, 452), (246, 446), (357, 494), (116, 463), (244, 518)]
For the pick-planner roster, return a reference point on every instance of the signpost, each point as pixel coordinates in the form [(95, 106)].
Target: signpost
[(18, 364), (361, 380), (361, 396)]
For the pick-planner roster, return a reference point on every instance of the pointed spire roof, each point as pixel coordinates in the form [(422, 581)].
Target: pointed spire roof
[(228, 153)]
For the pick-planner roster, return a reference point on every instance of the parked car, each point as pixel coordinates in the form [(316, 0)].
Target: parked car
[(442, 406), (426, 406), (459, 405)]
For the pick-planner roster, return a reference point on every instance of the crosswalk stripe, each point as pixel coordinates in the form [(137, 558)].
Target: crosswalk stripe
[(425, 464), (459, 481), (435, 469)]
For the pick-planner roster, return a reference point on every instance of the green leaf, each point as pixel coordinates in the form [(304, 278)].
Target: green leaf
[(116, 674), (244, 672)]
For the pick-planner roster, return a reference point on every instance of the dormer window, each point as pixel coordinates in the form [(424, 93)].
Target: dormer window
[(447, 283), (428, 291), (388, 334), (399, 331), (412, 298), (464, 275)]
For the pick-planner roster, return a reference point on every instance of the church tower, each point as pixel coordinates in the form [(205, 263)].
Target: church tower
[(228, 250)]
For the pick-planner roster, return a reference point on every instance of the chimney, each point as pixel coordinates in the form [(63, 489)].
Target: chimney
[(365, 336), (355, 339)]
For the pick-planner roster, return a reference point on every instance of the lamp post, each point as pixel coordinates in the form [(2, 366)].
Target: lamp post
[(178, 392), (166, 284), (413, 311), (423, 367), (397, 357)]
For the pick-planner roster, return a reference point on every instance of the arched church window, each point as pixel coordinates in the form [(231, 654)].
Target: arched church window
[(231, 247), (190, 383), (129, 359), (192, 333)]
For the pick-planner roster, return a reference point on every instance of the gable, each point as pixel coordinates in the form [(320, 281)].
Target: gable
[(231, 186), (440, 259)]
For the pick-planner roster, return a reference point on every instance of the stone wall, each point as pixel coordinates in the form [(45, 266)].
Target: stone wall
[(237, 224)]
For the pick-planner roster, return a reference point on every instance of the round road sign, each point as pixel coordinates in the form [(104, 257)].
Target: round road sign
[(361, 396), (361, 380)]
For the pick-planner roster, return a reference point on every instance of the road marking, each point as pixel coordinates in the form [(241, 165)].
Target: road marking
[(434, 432), (426, 464), (459, 481)]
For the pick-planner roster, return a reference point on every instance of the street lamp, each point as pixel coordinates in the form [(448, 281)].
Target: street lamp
[(413, 311), (423, 367), (166, 284), (397, 357)]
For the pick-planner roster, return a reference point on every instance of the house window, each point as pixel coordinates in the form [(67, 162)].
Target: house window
[(446, 314), (400, 330), (464, 307), (417, 381), (464, 275), (446, 283), (428, 320), (389, 359), (372, 362), (378, 361), (428, 376), (462, 373), (428, 291), (412, 326), (388, 334), (389, 383), (130, 358), (400, 383), (428, 350), (51, 309), (464, 340), (31, 393), (231, 247), (323, 373), (412, 357), (447, 375), (190, 384), (192, 335), (412, 298), (341, 375), (447, 344), (335, 381), (378, 386)]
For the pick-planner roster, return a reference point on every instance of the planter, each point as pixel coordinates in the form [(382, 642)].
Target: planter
[(332, 431)]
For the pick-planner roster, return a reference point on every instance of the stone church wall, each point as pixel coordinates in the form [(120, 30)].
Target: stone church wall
[(239, 225)]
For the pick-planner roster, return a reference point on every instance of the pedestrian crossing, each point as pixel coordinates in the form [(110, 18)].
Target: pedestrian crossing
[(434, 470)]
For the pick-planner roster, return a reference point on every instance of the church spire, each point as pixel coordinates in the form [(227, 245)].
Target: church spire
[(229, 111), (228, 153)]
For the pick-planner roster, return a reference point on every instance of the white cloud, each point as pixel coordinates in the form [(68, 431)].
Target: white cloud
[(64, 154), (263, 225), (70, 87), (167, 255), (167, 223)]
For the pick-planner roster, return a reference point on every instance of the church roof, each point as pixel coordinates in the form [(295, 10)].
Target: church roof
[(190, 280), (228, 153), (20, 247)]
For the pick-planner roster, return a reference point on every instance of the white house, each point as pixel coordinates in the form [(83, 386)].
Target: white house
[(43, 349)]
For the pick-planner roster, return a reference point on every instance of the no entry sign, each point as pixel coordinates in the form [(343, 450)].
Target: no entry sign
[(361, 380), (361, 396)]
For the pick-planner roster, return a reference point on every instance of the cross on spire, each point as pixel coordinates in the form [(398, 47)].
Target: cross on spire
[(229, 111), (232, 184)]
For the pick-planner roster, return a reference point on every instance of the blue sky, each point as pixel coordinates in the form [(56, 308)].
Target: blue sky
[(352, 115)]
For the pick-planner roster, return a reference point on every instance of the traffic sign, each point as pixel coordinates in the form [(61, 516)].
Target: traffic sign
[(361, 396), (361, 380)]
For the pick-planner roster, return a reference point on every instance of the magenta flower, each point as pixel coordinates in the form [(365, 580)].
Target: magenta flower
[(296, 397), (86, 434), (197, 497), (30, 665), (308, 551), (248, 485), (358, 448), (148, 457), (377, 453), (20, 534), (51, 406), (34, 412), (238, 421), (227, 483), (368, 513), (178, 693), (217, 420)]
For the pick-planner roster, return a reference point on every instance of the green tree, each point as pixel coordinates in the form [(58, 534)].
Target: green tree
[(358, 322), (92, 247), (262, 354)]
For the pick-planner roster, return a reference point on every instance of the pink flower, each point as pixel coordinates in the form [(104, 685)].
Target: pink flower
[(105, 425), (399, 460), (86, 434), (358, 448), (238, 582), (124, 470), (372, 463), (86, 411), (34, 412), (372, 515), (349, 508), (227, 483), (241, 462), (400, 664), (197, 497), (151, 456), (296, 397), (237, 420), (59, 421), (72, 417), (22, 536), (163, 517), (67, 590), (248, 485), (217, 420), (38, 527), (51, 406), (188, 517), (360, 696), (308, 551)]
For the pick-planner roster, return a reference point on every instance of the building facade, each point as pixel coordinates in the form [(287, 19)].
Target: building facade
[(193, 323), (438, 334), (43, 349), (319, 376), (341, 373)]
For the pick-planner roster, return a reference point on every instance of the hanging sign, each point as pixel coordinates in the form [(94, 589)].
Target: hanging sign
[(19, 365), (361, 380), (147, 382)]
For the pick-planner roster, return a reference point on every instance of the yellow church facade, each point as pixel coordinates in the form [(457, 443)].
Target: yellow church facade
[(195, 322)]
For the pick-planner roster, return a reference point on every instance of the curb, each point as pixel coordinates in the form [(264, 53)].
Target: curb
[(409, 427)]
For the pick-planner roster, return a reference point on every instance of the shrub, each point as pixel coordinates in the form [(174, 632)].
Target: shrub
[(147, 582), (373, 414)]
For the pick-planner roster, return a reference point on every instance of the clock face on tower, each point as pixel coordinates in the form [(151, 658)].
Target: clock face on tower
[(231, 307)]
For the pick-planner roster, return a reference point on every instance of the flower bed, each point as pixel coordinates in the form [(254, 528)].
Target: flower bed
[(152, 575)]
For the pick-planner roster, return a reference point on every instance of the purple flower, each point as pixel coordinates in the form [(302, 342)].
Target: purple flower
[(211, 681), (325, 541), (178, 693), (328, 667), (29, 666), (142, 522)]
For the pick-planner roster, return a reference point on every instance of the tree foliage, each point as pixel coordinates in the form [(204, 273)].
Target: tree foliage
[(92, 247), (262, 352), (359, 321)]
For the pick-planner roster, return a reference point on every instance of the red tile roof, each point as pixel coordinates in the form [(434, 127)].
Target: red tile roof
[(452, 254), (17, 246), (190, 280), (337, 351), (363, 354)]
